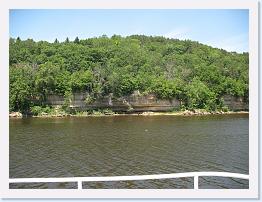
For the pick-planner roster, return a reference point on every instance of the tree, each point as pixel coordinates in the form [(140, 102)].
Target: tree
[(82, 81), (45, 80), (76, 40), (200, 96), (56, 41), (67, 40), (21, 88)]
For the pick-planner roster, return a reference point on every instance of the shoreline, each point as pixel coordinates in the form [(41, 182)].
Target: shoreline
[(179, 113)]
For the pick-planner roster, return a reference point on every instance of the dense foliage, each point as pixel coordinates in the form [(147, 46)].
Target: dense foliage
[(196, 74)]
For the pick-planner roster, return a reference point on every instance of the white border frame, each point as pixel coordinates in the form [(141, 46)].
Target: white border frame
[(252, 192)]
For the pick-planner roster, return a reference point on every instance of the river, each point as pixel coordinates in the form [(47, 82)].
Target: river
[(130, 145)]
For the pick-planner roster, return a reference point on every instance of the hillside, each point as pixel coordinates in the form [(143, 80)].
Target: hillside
[(196, 74)]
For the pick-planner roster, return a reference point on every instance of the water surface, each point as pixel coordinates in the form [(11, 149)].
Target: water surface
[(129, 145)]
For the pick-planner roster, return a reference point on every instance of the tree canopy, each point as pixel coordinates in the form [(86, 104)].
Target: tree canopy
[(194, 73)]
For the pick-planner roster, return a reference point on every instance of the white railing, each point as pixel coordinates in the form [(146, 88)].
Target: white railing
[(79, 180)]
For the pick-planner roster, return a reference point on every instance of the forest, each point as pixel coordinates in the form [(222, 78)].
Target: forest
[(196, 74)]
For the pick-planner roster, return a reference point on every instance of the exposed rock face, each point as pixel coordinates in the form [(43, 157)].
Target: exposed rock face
[(134, 103), (235, 103), (151, 103), (54, 100)]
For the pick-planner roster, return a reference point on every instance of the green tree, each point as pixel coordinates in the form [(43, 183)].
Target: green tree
[(200, 96), (82, 81), (21, 85), (67, 40), (76, 40)]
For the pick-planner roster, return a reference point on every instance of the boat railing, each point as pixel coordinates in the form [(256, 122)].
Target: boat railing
[(80, 180)]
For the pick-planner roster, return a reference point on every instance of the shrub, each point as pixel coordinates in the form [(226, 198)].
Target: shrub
[(97, 113), (89, 99), (108, 111), (36, 110), (225, 109)]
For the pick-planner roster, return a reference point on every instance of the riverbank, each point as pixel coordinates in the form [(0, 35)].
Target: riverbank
[(197, 112)]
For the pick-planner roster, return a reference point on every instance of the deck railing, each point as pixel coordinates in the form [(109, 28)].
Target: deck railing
[(79, 180)]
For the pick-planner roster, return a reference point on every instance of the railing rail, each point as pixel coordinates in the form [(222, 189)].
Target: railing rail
[(79, 180)]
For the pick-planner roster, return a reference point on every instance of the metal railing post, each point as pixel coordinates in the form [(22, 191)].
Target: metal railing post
[(79, 184), (196, 182)]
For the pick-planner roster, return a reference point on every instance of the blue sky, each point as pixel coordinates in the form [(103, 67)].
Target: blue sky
[(227, 29)]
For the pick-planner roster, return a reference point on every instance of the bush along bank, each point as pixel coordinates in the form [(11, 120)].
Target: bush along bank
[(59, 111)]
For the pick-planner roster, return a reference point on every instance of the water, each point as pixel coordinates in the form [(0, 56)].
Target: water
[(129, 145)]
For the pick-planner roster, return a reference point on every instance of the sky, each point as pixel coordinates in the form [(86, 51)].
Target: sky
[(224, 28)]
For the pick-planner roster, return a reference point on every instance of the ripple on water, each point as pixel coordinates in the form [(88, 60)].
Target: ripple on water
[(130, 145)]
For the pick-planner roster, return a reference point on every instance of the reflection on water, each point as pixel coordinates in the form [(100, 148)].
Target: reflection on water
[(129, 145)]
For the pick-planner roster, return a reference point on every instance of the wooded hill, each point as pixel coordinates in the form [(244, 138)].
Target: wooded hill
[(196, 74)]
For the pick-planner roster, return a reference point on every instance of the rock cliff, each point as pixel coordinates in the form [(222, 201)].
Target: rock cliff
[(134, 103)]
